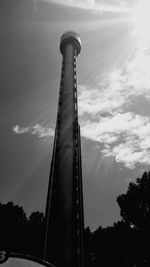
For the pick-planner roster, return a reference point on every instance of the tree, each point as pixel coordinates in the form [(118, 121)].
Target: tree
[(126, 243), (19, 233), (113, 245), (135, 204), (36, 229), (135, 211)]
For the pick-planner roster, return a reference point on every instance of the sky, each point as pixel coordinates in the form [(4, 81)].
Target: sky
[(113, 98)]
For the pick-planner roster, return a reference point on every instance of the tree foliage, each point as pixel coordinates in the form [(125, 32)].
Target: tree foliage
[(135, 204), (126, 243), (19, 233)]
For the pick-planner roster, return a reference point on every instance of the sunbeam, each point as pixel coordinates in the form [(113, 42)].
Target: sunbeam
[(142, 20)]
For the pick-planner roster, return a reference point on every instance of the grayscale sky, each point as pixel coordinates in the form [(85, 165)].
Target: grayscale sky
[(113, 94)]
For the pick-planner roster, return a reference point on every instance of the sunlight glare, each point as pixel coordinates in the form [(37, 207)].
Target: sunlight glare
[(142, 20)]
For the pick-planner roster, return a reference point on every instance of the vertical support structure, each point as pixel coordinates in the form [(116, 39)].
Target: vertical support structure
[(64, 210)]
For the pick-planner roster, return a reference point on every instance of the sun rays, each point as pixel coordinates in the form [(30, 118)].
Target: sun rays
[(141, 20)]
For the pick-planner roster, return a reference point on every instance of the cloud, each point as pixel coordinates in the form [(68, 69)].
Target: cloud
[(20, 130), (126, 123), (114, 114), (131, 151), (123, 136), (102, 5), (109, 96), (115, 91), (35, 130)]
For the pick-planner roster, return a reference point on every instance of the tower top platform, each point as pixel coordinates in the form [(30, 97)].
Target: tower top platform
[(70, 37)]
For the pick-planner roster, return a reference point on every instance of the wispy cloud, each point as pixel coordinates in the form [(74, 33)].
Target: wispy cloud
[(131, 152), (107, 5), (110, 115), (35, 130), (115, 91), (109, 129), (20, 130), (109, 96), (124, 136)]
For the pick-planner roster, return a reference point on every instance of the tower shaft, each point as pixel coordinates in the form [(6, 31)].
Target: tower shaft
[(64, 211)]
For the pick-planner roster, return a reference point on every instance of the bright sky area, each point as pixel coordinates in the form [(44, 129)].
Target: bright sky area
[(113, 95)]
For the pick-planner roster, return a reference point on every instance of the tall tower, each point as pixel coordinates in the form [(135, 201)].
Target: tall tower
[(64, 210)]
